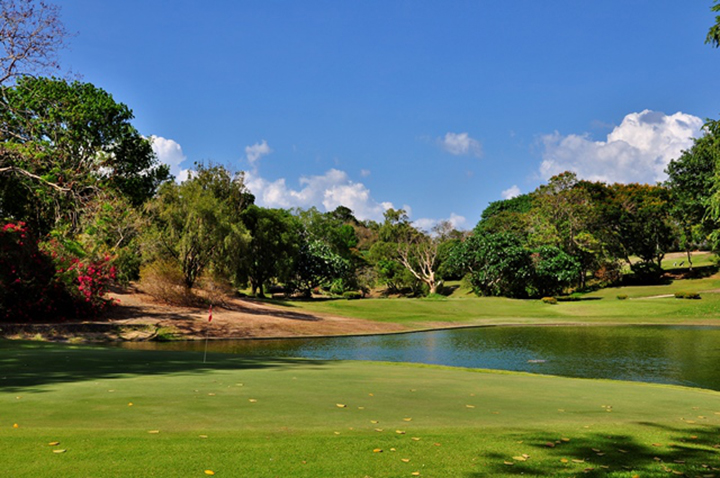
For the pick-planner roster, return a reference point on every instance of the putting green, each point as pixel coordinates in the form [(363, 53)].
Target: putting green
[(129, 413)]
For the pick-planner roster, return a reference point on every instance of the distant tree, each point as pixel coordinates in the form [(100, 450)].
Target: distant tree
[(496, 264), (274, 241), (316, 265), (553, 270), (31, 35)]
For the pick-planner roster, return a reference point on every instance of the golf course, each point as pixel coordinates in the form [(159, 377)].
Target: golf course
[(75, 410)]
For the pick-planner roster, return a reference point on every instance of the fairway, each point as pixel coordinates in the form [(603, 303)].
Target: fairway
[(132, 413)]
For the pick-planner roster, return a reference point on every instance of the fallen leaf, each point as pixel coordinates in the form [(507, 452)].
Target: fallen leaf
[(130, 404), (337, 433), (252, 400), (600, 454), (656, 444), (154, 431), (59, 451), (202, 436), (407, 419), (15, 425), (54, 443), (209, 472), (564, 460), (415, 473), (340, 405), (400, 432), (374, 421), (565, 439), (509, 463), (415, 438), (211, 394), (405, 460), (470, 406), (437, 444), (550, 444), (393, 449), (377, 450), (596, 450), (575, 460), (519, 458), (378, 429)]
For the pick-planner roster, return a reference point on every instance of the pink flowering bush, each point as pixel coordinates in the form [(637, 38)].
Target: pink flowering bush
[(48, 282)]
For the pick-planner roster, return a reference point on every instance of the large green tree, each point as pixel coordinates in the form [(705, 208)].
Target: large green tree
[(61, 143), (713, 36)]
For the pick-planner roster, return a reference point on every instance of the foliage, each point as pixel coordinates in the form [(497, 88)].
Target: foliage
[(713, 36), (61, 144), (352, 294), (163, 279), (49, 281), (498, 264), (687, 295), (196, 223), (622, 296), (316, 265), (549, 300), (554, 270), (269, 253)]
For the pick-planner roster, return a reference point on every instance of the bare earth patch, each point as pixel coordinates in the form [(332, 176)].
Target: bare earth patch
[(236, 318)]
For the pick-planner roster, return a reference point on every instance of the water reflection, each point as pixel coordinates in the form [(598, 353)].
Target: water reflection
[(678, 355)]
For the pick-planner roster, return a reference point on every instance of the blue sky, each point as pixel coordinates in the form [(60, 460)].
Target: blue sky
[(439, 107)]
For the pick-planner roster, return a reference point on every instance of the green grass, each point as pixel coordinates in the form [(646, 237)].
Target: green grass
[(468, 423)]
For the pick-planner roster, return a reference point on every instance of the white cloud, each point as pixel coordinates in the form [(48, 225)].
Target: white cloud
[(426, 224), (461, 144), (364, 173), (169, 152), (511, 192), (257, 151), (332, 189), (636, 151)]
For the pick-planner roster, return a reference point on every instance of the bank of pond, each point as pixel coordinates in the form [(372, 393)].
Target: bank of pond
[(680, 355)]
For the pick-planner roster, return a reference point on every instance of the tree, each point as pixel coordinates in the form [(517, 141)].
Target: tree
[(554, 270), (274, 240), (418, 253), (691, 180), (713, 36), (31, 34), (497, 264), (316, 265), (196, 223), (61, 144)]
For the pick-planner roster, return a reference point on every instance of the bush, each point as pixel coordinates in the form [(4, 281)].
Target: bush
[(549, 300), (622, 296), (50, 281), (687, 295), (164, 280), (680, 294), (352, 294)]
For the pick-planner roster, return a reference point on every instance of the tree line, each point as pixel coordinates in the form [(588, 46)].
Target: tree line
[(85, 202)]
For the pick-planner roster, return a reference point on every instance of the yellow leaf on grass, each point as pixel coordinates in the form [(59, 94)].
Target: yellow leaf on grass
[(374, 421), (509, 463), (575, 460), (378, 429), (415, 473), (415, 438), (400, 432), (405, 460), (154, 431), (209, 472), (202, 436), (130, 404), (564, 460), (211, 394), (565, 439), (340, 405), (337, 433), (470, 406), (59, 451), (54, 443), (377, 450), (519, 458), (15, 425), (596, 450), (407, 419), (252, 400), (393, 449)]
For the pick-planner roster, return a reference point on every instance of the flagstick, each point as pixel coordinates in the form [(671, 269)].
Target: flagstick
[(207, 330)]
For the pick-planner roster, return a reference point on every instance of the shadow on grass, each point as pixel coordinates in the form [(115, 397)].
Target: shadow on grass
[(690, 452), (24, 365)]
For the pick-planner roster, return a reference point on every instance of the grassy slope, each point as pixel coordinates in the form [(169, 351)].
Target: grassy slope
[(644, 307), (80, 397)]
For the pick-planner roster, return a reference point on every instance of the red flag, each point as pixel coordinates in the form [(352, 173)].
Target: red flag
[(210, 316)]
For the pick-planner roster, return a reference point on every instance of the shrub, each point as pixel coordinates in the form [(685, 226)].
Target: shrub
[(549, 300), (680, 294), (164, 280), (50, 281), (352, 294), (692, 295), (622, 296)]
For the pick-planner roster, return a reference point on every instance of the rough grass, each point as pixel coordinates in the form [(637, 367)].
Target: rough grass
[(266, 418)]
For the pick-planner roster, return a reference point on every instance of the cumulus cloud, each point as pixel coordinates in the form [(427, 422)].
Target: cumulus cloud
[(332, 189), (257, 151), (511, 192), (461, 144), (638, 150), (426, 224), (169, 152)]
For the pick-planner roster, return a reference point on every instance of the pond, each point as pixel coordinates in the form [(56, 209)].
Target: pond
[(679, 355)]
